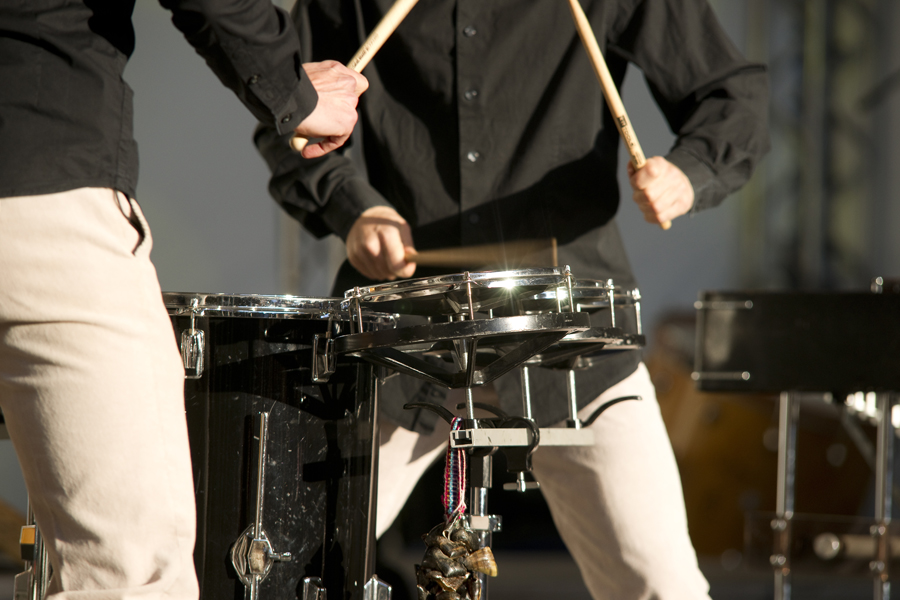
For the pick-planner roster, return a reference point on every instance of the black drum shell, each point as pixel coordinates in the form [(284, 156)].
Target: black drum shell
[(319, 486)]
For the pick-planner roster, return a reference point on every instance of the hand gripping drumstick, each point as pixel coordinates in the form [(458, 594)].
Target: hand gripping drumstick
[(389, 22), (613, 100)]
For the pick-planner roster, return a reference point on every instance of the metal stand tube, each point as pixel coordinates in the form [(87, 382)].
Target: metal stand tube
[(784, 501), (526, 392), (478, 508), (573, 422), (884, 469)]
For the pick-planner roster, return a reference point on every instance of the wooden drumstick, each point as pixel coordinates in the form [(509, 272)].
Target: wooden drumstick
[(613, 100), (519, 253), (389, 22)]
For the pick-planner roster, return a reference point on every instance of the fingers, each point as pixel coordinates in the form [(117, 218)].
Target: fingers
[(334, 116), (323, 147), (661, 190), (377, 244)]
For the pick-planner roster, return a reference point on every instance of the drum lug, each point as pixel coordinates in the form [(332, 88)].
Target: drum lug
[(323, 358), (253, 556), (192, 346), (314, 589), (376, 589)]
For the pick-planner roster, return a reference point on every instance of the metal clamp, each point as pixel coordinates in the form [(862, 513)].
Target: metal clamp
[(314, 589), (492, 523), (324, 361), (193, 344), (376, 589), (252, 554)]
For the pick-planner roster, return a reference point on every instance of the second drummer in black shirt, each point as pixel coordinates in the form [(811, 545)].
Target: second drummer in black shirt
[(484, 123)]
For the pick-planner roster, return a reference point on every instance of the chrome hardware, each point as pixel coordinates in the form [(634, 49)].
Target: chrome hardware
[(521, 484), (252, 555), (721, 376), (324, 361), (192, 346), (723, 304), (376, 589), (492, 523), (314, 589)]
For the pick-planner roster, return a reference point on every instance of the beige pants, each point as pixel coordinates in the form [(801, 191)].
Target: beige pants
[(618, 504), (92, 389)]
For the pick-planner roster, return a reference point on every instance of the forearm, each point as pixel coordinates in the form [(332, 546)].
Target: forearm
[(254, 49)]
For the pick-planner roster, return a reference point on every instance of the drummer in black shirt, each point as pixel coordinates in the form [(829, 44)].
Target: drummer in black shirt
[(484, 123), (91, 380)]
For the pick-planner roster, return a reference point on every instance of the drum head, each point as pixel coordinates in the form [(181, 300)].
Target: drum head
[(449, 294)]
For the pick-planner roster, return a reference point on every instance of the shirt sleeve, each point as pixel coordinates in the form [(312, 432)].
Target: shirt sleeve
[(326, 194), (253, 48), (715, 101)]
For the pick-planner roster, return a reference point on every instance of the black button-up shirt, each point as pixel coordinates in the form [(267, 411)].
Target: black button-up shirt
[(484, 122), (65, 112)]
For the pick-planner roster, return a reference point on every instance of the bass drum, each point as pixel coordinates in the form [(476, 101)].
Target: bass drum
[(284, 468)]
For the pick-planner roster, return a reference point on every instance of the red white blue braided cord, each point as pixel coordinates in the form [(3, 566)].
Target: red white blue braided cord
[(455, 476)]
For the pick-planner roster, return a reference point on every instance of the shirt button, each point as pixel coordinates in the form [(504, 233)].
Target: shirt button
[(253, 79), (286, 118), (473, 156), (469, 31), (471, 94), (473, 219)]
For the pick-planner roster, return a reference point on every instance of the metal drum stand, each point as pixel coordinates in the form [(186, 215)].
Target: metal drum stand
[(465, 330), (830, 344)]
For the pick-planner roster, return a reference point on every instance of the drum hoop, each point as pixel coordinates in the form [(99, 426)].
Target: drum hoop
[(262, 306), (591, 294), (425, 286)]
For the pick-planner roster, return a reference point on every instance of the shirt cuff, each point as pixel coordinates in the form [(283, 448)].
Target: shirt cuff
[(707, 192), (298, 106), (347, 203)]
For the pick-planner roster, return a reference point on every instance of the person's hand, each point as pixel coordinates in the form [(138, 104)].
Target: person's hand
[(661, 190), (377, 244), (334, 116)]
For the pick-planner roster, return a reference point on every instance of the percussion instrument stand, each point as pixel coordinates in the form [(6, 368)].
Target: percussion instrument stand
[(788, 415), (789, 411), (884, 469)]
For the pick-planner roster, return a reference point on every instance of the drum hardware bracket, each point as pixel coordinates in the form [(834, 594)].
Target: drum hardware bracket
[(723, 304), (323, 359), (517, 436), (492, 523), (252, 554), (193, 343), (521, 484), (314, 589), (375, 589), (720, 376)]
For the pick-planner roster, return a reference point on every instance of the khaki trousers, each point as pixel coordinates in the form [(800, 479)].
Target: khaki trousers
[(618, 505), (92, 390)]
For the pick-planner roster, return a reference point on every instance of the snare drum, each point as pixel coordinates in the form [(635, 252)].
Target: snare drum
[(461, 330), (615, 314), (283, 467)]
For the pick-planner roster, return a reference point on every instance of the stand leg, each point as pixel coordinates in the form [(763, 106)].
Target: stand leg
[(884, 465), (784, 502)]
